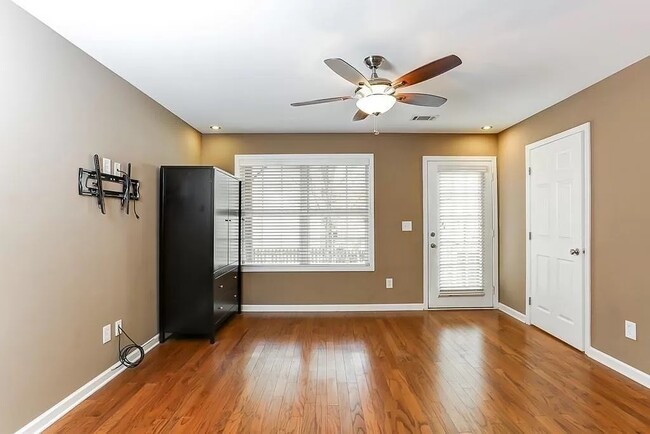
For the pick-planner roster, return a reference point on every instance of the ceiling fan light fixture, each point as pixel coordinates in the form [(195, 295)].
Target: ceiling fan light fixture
[(376, 103)]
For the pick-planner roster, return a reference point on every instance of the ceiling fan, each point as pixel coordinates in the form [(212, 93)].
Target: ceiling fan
[(377, 95)]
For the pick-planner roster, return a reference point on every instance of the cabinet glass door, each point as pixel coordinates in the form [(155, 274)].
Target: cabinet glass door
[(221, 217), (233, 231)]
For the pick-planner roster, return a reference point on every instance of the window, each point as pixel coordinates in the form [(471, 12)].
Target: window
[(307, 212)]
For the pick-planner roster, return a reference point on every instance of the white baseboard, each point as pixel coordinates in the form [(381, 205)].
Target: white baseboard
[(621, 367), (330, 307), (75, 398), (513, 313)]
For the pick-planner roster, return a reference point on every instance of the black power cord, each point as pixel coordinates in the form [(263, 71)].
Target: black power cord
[(123, 353)]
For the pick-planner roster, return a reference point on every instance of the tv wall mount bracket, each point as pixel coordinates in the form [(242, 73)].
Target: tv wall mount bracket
[(91, 183)]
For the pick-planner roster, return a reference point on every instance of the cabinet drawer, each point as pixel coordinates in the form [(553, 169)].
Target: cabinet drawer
[(225, 292), (233, 288)]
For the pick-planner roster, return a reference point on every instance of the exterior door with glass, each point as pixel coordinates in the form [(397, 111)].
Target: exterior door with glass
[(460, 223)]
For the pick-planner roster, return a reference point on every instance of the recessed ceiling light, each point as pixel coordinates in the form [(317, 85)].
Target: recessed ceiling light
[(486, 127), (215, 127)]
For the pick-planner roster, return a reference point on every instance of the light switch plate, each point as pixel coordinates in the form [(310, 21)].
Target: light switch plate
[(389, 283), (106, 165), (106, 333), (116, 168), (407, 226), (630, 330)]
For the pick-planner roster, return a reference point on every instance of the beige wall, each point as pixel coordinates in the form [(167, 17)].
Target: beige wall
[(66, 270), (398, 196), (619, 111)]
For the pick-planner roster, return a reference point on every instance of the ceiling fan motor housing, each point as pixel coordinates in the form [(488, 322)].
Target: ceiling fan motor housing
[(374, 62)]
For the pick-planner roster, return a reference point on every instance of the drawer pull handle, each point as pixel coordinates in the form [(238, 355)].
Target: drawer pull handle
[(235, 276), (235, 295), (220, 286), (221, 307)]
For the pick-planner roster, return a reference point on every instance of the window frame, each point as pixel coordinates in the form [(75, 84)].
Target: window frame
[(341, 158)]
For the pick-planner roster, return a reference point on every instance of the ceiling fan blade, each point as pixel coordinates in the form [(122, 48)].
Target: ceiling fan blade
[(428, 71), (422, 99), (347, 71), (320, 101), (359, 116)]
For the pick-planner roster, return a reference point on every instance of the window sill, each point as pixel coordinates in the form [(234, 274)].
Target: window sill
[(307, 269)]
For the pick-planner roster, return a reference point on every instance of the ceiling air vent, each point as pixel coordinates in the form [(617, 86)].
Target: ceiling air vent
[(424, 118)]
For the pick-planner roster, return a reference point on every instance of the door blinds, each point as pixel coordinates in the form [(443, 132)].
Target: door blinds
[(462, 222)]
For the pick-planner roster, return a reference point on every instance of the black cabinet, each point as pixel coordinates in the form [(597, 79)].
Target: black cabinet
[(199, 250)]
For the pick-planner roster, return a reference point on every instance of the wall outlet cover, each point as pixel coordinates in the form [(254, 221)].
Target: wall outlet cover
[(630, 330), (118, 327), (106, 333), (116, 168), (407, 226), (389, 282), (106, 165)]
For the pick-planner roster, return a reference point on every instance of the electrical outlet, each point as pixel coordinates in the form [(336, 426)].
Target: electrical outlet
[(116, 168), (106, 333), (118, 327), (630, 330), (106, 166), (389, 283), (407, 226)]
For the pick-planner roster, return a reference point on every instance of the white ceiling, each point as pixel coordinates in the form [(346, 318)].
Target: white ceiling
[(240, 63)]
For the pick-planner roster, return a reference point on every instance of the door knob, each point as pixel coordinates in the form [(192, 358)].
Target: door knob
[(574, 252), (433, 245)]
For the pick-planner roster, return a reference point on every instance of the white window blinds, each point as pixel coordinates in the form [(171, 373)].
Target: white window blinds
[(462, 223), (307, 212)]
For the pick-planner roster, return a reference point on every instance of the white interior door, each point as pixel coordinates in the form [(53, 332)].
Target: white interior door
[(460, 235), (556, 207)]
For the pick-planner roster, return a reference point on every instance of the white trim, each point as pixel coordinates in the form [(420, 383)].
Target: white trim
[(343, 157), (346, 158), (621, 367), (425, 221), (75, 398), (330, 307), (585, 129), (513, 313)]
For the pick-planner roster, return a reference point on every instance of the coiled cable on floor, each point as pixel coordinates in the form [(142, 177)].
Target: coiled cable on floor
[(123, 353)]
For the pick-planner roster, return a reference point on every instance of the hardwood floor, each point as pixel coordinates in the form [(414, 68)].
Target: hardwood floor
[(471, 371)]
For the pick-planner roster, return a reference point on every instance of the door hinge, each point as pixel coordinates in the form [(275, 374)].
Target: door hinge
[(530, 171), (530, 301), (530, 235)]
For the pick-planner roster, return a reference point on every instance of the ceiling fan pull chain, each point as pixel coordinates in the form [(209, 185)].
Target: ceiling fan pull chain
[(375, 131)]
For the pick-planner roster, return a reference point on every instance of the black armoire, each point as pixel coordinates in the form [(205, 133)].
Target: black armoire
[(199, 250)]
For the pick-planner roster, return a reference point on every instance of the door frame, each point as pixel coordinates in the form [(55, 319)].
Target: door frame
[(585, 129), (492, 160)]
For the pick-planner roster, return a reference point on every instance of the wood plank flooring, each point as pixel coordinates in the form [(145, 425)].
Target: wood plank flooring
[(462, 371)]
